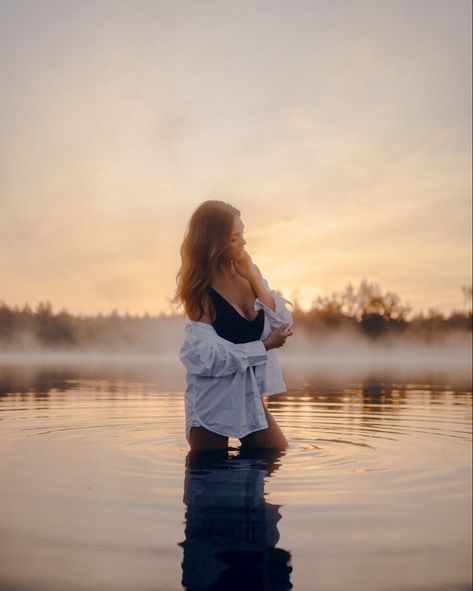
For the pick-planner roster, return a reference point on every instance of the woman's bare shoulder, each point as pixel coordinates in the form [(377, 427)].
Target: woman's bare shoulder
[(209, 313)]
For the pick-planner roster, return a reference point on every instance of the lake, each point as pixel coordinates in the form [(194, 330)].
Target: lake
[(99, 492)]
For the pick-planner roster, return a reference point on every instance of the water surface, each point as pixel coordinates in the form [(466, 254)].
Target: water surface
[(99, 492)]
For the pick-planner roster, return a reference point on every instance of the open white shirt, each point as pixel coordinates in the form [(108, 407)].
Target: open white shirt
[(225, 381)]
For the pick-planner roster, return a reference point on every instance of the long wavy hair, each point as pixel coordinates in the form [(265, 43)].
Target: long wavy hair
[(204, 250)]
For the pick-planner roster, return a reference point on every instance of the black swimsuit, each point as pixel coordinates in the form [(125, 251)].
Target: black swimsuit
[(231, 325)]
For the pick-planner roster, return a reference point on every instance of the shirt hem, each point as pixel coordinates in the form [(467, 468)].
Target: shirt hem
[(218, 431)]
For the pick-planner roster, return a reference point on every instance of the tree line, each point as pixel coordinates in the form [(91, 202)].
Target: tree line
[(373, 313), (365, 310)]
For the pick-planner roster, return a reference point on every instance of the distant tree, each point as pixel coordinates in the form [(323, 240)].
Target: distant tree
[(53, 329), (366, 308), (370, 300), (8, 322), (467, 297)]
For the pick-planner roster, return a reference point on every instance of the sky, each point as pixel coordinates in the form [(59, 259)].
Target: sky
[(341, 130)]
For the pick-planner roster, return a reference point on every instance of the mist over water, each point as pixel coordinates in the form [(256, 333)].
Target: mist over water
[(344, 356), (333, 357), (99, 490)]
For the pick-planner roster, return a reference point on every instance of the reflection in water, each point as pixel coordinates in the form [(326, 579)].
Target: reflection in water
[(91, 488), (231, 531)]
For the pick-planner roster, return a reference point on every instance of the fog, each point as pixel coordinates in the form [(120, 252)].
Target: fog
[(347, 357), (337, 357)]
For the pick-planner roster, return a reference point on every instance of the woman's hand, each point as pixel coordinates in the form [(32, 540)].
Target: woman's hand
[(245, 267), (278, 337)]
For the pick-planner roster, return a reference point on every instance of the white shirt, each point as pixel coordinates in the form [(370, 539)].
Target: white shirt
[(225, 381)]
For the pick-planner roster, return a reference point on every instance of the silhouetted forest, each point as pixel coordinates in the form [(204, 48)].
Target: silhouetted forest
[(369, 311), (365, 310)]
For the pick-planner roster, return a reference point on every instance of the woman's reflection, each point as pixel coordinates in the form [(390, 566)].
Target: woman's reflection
[(231, 531)]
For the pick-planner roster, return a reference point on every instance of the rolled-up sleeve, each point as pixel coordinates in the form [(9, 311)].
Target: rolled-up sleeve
[(280, 315), (281, 309), (209, 358)]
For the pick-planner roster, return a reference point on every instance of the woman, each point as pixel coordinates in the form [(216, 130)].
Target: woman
[(235, 323)]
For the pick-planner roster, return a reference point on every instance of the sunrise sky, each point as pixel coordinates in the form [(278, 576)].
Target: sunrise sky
[(340, 129)]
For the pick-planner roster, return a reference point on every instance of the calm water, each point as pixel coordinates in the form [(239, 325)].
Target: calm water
[(98, 490)]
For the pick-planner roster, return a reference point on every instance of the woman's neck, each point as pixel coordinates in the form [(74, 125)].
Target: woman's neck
[(226, 271)]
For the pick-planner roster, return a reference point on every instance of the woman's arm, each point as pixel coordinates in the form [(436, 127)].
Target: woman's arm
[(261, 290), (279, 314), (245, 267), (204, 355), (275, 304)]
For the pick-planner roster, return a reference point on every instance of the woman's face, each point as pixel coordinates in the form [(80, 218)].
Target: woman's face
[(237, 241)]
